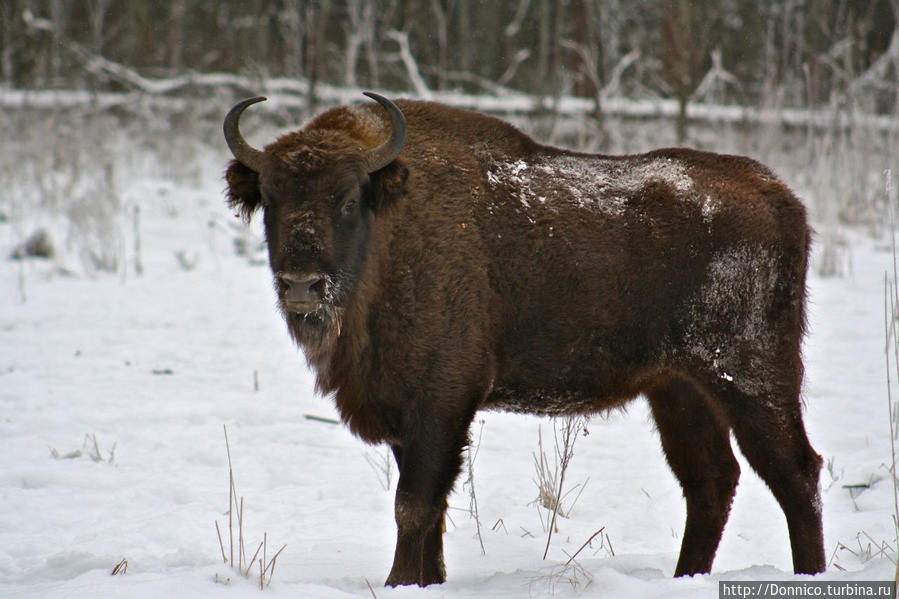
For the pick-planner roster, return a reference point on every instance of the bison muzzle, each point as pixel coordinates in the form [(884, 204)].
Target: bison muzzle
[(433, 262)]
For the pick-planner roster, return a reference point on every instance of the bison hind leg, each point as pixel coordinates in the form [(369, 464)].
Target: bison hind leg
[(770, 432), (696, 442)]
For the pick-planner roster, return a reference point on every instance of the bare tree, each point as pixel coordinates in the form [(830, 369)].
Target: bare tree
[(418, 83), (96, 11), (355, 37), (687, 27), (441, 16), (177, 14), (318, 15), (838, 53), (883, 73), (59, 14), (291, 25), (10, 40)]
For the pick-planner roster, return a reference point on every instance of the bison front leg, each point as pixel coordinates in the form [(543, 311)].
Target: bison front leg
[(429, 463), (697, 446)]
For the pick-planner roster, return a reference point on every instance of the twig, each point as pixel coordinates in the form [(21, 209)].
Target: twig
[(552, 522), (384, 468), (572, 427), (371, 589), (609, 541), (95, 453), (473, 499), (321, 419), (587, 542)]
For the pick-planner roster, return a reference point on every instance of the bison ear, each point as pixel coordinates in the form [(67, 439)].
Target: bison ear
[(243, 190), (389, 182)]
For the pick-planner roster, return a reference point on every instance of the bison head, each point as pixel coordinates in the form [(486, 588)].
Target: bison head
[(319, 190)]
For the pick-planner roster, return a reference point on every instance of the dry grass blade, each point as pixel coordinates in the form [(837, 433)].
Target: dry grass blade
[(120, 568), (221, 544), (241, 554), (261, 577), (546, 476), (371, 590), (253, 559), (270, 567), (499, 524), (230, 497)]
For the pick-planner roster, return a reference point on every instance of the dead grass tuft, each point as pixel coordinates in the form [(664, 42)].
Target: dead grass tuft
[(243, 565)]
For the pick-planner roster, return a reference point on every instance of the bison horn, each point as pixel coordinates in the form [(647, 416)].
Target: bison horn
[(390, 149), (243, 152)]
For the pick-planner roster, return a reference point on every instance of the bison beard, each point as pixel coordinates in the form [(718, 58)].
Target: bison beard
[(469, 267)]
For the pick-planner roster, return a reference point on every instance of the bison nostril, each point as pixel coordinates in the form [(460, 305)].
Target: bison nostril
[(318, 287), (304, 289)]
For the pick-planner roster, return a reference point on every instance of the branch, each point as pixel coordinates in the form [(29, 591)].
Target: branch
[(716, 74), (37, 23), (114, 71), (487, 85), (514, 27), (612, 88), (520, 56), (590, 69), (402, 38), (876, 74)]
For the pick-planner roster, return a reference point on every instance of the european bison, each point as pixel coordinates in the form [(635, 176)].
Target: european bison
[(432, 262)]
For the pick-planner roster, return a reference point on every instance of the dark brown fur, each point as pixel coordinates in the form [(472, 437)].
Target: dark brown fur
[(482, 270)]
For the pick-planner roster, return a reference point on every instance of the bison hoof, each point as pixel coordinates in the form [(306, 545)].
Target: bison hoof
[(396, 579)]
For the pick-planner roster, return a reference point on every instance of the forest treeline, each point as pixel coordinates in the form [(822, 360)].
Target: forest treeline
[(790, 53)]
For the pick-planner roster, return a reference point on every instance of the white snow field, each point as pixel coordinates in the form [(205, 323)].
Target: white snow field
[(152, 366)]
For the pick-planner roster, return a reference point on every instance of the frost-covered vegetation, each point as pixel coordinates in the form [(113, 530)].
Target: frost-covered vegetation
[(83, 174)]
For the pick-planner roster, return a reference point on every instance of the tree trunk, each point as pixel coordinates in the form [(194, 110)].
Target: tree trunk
[(317, 50), (441, 15), (59, 15), (681, 123), (177, 12), (544, 45)]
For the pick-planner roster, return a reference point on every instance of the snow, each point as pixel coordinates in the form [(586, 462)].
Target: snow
[(598, 184), (739, 282), (152, 366)]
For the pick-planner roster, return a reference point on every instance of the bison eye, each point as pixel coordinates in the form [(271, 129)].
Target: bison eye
[(349, 202)]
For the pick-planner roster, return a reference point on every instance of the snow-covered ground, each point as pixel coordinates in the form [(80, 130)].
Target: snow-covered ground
[(152, 366)]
